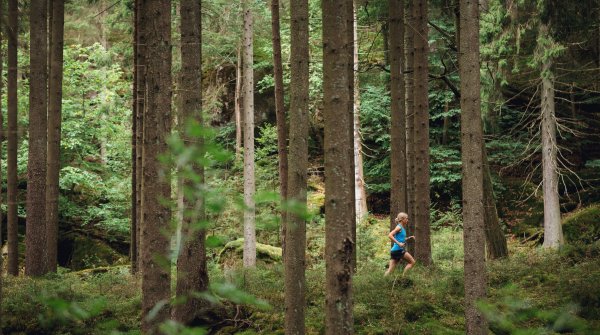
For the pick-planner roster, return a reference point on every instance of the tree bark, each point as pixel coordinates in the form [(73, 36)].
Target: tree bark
[(494, 236), (282, 151), (237, 108), (295, 282), (249, 181), (351, 109), (54, 130), (1, 140), (421, 135), (409, 53), (140, 112), (35, 238), (12, 102), (398, 201), (155, 24), (553, 235), (359, 180), (133, 234), (472, 167), (192, 275), (339, 169)]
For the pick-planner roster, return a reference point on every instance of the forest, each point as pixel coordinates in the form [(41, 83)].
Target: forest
[(300, 167)]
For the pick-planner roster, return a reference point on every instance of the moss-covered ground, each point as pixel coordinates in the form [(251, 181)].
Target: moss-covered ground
[(534, 291)]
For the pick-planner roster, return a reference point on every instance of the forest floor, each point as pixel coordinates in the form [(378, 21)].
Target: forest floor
[(534, 290)]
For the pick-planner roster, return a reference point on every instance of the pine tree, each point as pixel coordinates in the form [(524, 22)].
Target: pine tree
[(339, 169), (295, 282), (282, 151), (133, 233), (553, 235), (11, 165), (54, 130), (421, 134), (398, 201), (155, 24), (409, 53), (192, 275), (35, 235), (472, 167)]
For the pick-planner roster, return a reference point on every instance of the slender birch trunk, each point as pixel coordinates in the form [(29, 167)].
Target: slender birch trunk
[(249, 181), (359, 175)]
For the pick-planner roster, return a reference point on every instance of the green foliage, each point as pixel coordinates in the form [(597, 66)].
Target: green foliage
[(450, 218), (72, 304), (595, 164), (445, 173), (583, 226), (513, 315), (375, 123), (267, 158)]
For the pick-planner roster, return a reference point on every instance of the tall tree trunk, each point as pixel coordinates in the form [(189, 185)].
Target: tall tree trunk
[(398, 201), (295, 282), (339, 169), (409, 53), (351, 103), (133, 241), (192, 275), (421, 135), (553, 235), (282, 152), (35, 241), (155, 24), (249, 181), (472, 167), (54, 130), (359, 175), (237, 104), (494, 236), (1, 140), (141, 97), (11, 165)]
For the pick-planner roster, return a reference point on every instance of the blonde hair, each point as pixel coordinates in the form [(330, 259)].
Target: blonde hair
[(400, 217)]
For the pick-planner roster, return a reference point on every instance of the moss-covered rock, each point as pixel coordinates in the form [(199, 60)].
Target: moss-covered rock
[(86, 252), (231, 255), (583, 225)]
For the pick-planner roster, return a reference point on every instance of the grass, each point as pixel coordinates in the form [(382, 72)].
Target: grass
[(535, 291)]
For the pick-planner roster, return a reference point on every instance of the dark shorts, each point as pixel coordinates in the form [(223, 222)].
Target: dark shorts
[(397, 254)]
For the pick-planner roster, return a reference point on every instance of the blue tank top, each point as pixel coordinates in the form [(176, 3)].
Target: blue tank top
[(400, 237)]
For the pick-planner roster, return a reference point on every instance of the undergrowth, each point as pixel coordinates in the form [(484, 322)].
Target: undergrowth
[(535, 291)]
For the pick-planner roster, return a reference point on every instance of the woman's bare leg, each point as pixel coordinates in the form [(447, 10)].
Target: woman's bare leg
[(391, 267), (410, 262)]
